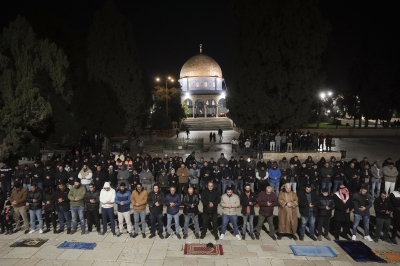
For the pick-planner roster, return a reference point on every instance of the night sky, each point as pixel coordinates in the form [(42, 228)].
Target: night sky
[(169, 32)]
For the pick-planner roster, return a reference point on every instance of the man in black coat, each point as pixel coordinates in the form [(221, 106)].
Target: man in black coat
[(383, 208), (210, 199), (63, 207), (92, 202), (35, 201), (343, 207), (308, 207), (248, 199), (325, 207)]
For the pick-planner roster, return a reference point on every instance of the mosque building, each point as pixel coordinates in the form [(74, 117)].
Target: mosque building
[(203, 87)]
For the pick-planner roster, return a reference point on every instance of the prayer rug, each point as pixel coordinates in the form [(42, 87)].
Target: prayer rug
[(389, 255), (202, 249), (29, 242), (77, 245), (358, 251), (313, 251)]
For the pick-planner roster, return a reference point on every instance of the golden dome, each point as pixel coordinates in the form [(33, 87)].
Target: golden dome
[(201, 66)]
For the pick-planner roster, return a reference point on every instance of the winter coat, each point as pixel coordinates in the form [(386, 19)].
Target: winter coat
[(95, 195), (395, 200), (324, 174), (245, 200), (19, 195), (381, 206), (304, 204), (187, 203), (377, 172), (85, 176), (163, 181), (63, 195), (263, 199), (274, 175), (52, 198), (232, 200), (152, 199), (124, 197), (340, 214), (362, 200), (35, 195), (107, 196), (183, 175), (101, 176), (176, 198), (140, 198), (146, 177), (390, 175), (210, 196), (49, 173), (61, 177), (77, 193), (324, 202)]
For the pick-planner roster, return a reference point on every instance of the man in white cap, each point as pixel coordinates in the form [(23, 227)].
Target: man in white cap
[(107, 198)]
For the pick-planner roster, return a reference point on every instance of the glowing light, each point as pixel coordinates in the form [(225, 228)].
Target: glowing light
[(329, 93), (322, 95), (223, 95), (158, 79), (187, 94)]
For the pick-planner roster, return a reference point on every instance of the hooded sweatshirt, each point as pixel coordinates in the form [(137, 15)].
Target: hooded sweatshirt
[(107, 196)]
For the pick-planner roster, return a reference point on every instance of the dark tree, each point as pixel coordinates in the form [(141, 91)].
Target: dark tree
[(32, 74), (275, 60), (175, 109), (113, 60)]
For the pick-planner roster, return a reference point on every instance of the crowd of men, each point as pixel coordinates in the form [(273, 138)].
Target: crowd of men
[(73, 190)]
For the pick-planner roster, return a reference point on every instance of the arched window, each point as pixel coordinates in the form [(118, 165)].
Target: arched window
[(205, 84), (197, 84), (188, 102)]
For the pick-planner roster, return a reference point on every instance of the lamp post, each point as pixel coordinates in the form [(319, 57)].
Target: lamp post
[(323, 97), (166, 91)]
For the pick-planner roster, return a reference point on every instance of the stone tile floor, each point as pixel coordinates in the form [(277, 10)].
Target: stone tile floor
[(127, 251)]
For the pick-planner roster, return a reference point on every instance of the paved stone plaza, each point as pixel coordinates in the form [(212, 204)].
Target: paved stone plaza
[(127, 251)]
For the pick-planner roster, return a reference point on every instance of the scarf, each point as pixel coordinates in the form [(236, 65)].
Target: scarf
[(340, 195)]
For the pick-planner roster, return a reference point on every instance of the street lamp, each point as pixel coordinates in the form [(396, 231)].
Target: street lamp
[(323, 97), (166, 90)]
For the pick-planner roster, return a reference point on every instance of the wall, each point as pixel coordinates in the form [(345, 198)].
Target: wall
[(357, 132)]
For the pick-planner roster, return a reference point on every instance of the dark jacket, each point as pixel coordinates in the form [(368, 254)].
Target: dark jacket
[(52, 197), (395, 200), (38, 196), (52, 174), (304, 204), (324, 202), (95, 195), (245, 200), (39, 172), (125, 197), (362, 200), (152, 199), (325, 172), (250, 175), (341, 207), (337, 173), (176, 198), (263, 199), (381, 206), (101, 176), (210, 196), (65, 204), (61, 176), (187, 203)]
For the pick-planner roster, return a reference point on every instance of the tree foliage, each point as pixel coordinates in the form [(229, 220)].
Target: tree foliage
[(113, 60), (275, 60), (28, 68), (175, 109)]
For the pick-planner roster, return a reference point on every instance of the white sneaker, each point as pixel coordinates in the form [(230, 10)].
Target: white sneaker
[(32, 231), (354, 238), (238, 237), (221, 236), (40, 231), (368, 238)]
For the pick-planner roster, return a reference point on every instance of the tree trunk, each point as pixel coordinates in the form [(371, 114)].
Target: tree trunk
[(359, 121), (376, 123), (354, 122), (366, 122)]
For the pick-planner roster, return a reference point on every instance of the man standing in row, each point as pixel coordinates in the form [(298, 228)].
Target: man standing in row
[(229, 203), (267, 200), (287, 214), (18, 201), (308, 207), (173, 201), (76, 196), (210, 199), (156, 200), (139, 202), (191, 211), (123, 201)]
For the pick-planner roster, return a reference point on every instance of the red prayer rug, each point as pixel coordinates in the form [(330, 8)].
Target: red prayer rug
[(202, 249)]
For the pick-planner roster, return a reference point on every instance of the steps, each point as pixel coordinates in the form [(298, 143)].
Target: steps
[(207, 124)]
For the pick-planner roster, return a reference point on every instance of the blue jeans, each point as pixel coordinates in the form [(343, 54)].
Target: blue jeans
[(311, 224), (36, 214), (78, 211), (248, 217), (63, 216), (226, 183), (40, 185), (336, 185), (294, 186), (27, 186), (278, 146), (376, 183), (275, 188), (108, 213), (357, 219), (326, 185), (176, 220), (229, 219), (239, 186), (195, 219), (142, 216), (156, 218)]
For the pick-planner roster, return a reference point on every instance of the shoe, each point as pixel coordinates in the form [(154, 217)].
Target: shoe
[(83, 232), (388, 241), (337, 238), (10, 232), (68, 231), (202, 236), (99, 233), (313, 238), (178, 236), (279, 237), (73, 231), (273, 238), (167, 235), (26, 231), (301, 238), (354, 238), (161, 236), (103, 233), (185, 236), (243, 236), (40, 231), (368, 238), (252, 237), (130, 234), (5, 232), (55, 231), (393, 241), (143, 235), (327, 237), (46, 231), (32, 231), (134, 235), (119, 234), (197, 236), (345, 236), (238, 237), (221, 237), (114, 234), (257, 235), (60, 231), (319, 238), (376, 240), (294, 237)]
